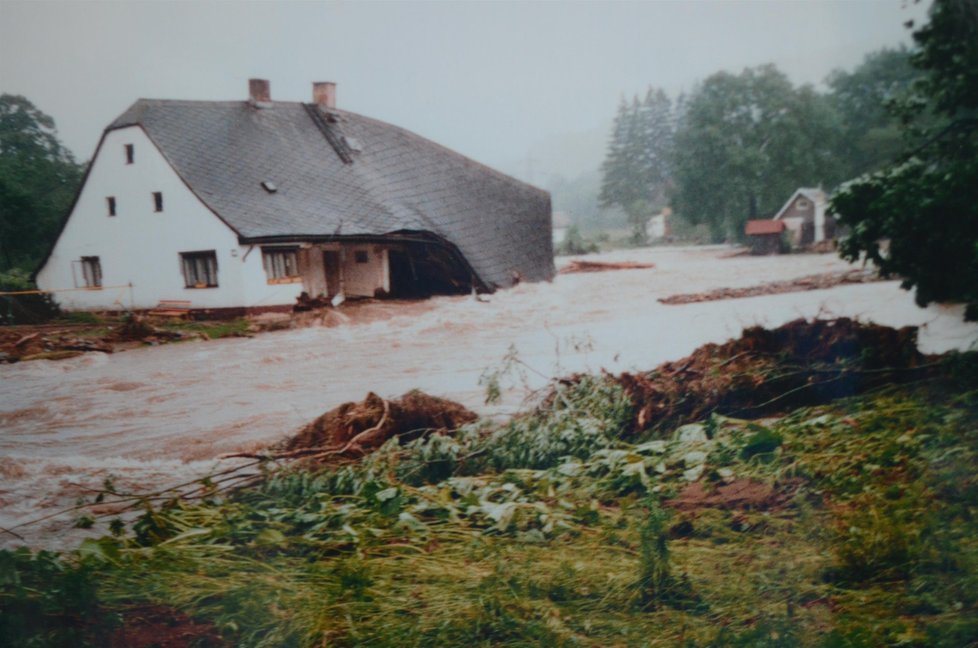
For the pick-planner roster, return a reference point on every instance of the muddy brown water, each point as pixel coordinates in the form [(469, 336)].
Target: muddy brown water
[(156, 416)]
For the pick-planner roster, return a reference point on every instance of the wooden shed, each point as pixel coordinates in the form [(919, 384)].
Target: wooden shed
[(765, 236)]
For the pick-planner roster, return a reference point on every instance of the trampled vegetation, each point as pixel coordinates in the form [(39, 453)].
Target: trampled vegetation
[(847, 523)]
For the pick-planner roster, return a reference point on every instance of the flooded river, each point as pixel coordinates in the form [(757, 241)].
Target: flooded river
[(155, 416)]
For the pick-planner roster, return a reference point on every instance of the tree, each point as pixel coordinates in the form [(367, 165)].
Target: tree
[(746, 143), (636, 173), (926, 203), (872, 136), (38, 180)]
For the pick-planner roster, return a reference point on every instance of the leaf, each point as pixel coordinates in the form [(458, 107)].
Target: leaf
[(386, 494), (102, 550), (270, 536), (186, 535)]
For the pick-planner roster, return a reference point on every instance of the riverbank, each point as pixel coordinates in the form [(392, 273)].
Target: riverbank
[(848, 519)]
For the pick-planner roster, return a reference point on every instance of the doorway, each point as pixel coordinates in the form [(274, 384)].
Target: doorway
[(331, 267)]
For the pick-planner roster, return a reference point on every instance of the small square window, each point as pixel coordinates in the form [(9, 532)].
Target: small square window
[(130, 153), (158, 201), (199, 269), (361, 256), (281, 264), (110, 200)]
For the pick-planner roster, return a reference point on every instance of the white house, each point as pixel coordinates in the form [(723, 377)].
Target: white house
[(561, 223), (243, 205), (805, 217)]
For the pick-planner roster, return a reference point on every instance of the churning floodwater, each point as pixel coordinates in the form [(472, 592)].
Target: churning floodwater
[(156, 416)]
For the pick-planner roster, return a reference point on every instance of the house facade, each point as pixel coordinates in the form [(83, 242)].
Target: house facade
[(245, 205), (805, 217)]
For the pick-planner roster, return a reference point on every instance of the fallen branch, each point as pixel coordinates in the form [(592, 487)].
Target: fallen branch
[(602, 266), (810, 282)]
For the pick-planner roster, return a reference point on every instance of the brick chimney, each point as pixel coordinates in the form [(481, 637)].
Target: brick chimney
[(259, 90), (324, 94)]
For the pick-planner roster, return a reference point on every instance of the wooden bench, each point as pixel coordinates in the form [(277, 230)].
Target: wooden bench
[(171, 308)]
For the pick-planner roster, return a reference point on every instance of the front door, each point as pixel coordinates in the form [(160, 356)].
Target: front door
[(331, 266)]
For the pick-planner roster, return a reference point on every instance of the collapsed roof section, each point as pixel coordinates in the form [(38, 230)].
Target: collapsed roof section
[(338, 175)]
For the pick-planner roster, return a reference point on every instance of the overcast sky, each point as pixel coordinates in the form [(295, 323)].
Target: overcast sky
[(489, 79)]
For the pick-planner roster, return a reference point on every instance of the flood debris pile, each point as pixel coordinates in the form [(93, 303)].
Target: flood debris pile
[(810, 282), (88, 332), (578, 265), (848, 523), (763, 371), (357, 428), (19, 345)]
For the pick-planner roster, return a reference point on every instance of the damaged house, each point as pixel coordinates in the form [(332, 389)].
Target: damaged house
[(244, 205)]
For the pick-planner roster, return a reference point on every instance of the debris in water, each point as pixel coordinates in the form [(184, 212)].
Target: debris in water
[(810, 282), (603, 266)]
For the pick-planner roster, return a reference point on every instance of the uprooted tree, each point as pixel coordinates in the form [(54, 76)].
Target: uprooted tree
[(926, 203)]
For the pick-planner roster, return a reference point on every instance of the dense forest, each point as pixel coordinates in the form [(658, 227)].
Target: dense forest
[(738, 145)]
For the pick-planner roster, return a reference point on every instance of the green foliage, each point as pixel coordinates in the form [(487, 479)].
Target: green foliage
[(20, 309), (45, 600), (212, 329), (636, 173), (655, 580), (574, 243), (871, 137), (746, 143), (552, 530), (38, 180), (925, 203), (762, 441)]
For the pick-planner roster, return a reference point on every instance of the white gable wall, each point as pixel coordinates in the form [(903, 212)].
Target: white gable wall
[(142, 247)]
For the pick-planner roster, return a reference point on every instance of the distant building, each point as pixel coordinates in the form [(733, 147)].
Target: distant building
[(561, 223), (765, 236), (243, 205), (805, 216), (659, 226)]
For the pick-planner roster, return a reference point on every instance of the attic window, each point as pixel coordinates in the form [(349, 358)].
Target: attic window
[(130, 153), (269, 186), (353, 144), (110, 201), (158, 201), (802, 204)]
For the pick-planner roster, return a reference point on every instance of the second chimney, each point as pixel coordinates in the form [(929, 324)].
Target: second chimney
[(324, 94), (259, 90)]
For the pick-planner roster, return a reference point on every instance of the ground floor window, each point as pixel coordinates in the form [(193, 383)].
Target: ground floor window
[(91, 272), (281, 265), (199, 269)]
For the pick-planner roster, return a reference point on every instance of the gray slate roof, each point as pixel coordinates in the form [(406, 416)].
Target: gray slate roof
[(396, 182)]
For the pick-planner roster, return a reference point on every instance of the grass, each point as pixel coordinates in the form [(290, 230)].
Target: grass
[(213, 329), (551, 530)]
